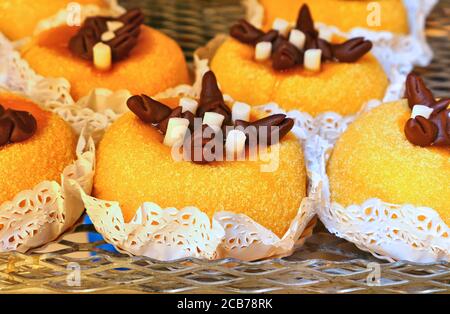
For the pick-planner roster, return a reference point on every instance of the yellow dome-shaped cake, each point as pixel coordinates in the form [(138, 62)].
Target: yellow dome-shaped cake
[(134, 166), (20, 17), (384, 155), (339, 87), (344, 14), (35, 145), (143, 59), (345, 76)]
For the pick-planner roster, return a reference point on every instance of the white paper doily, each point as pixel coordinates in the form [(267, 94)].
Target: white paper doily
[(40, 215), (388, 231)]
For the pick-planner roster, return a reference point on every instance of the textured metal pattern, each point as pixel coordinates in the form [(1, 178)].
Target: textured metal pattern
[(324, 264)]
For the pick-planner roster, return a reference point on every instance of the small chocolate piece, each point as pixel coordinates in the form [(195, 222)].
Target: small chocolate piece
[(6, 127), (191, 117), (246, 32), (442, 122), (440, 105), (277, 123), (284, 127), (278, 42), (417, 92), (421, 131), (130, 30), (82, 44), (270, 36), (148, 109), (211, 98), (196, 143), (133, 17), (122, 45), (25, 125), (351, 50), (97, 24), (241, 123), (285, 57), (319, 43), (305, 22), (177, 113), (90, 33), (16, 126), (327, 51), (272, 120)]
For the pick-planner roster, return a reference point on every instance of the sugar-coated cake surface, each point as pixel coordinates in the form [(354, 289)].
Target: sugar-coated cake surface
[(20, 17), (339, 87), (39, 158), (373, 159), (155, 64), (133, 167), (343, 14)]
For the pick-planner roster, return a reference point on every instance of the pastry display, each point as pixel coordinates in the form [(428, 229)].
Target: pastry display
[(35, 10), (298, 151), (221, 153), (398, 152), (108, 52), (380, 15), (35, 145), (298, 67)]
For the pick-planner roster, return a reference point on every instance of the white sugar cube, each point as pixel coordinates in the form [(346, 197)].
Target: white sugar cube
[(176, 130), (240, 111), (102, 56), (282, 26), (235, 142), (297, 38), (213, 119), (188, 104), (107, 36), (263, 50), (423, 111), (114, 25), (312, 59)]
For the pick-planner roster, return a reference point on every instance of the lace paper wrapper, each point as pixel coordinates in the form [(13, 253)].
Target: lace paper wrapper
[(402, 52), (170, 233), (40, 215), (388, 231)]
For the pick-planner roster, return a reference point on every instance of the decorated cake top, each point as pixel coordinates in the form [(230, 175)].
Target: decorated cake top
[(210, 123), (429, 124), (290, 46), (104, 40), (15, 126)]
